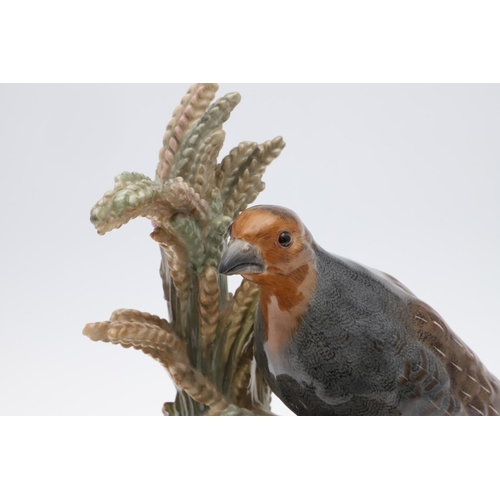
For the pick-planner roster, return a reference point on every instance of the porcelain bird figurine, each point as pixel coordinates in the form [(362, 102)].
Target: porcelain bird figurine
[(333, 337)]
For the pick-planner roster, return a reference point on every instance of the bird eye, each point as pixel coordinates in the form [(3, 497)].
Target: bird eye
[(285, 239)]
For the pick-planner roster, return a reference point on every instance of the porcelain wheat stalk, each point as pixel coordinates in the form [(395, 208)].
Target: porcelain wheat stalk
[(207, 343)]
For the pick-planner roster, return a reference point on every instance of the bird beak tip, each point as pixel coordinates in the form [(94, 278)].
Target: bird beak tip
[(241, 257)]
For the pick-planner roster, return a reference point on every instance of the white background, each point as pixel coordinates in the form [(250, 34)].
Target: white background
[(403, 178)]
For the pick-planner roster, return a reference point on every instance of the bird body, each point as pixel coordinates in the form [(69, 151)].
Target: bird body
[(333, 337)]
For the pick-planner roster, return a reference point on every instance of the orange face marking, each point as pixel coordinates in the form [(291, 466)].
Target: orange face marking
[(287, 284)]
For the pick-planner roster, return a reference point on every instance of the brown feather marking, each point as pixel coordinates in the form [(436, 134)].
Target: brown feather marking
[(470, 380)]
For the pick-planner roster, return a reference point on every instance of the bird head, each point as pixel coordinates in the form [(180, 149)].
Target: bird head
[(267, 243)]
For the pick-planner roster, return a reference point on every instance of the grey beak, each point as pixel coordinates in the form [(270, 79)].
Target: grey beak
[(241, 257)]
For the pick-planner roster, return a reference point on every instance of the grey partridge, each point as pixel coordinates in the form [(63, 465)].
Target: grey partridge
[(333, 337)]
